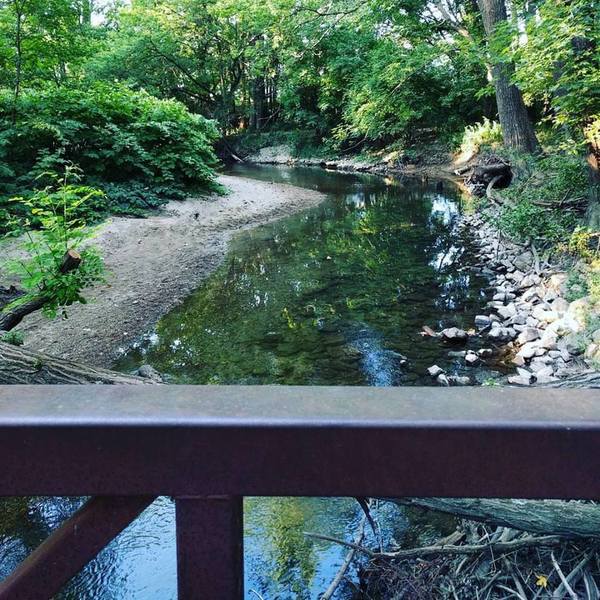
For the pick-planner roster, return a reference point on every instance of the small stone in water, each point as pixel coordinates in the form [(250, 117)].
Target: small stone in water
[(459, 380), (435, 371), (454, 335), (471, 358), (443, 380)]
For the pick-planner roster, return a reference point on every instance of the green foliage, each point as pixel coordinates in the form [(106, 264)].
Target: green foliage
[(534, 204), (15, 337), (126, 138), (59, 212), (525, 221), (558, 64), (485, 134), (577, 286), (585, 243)]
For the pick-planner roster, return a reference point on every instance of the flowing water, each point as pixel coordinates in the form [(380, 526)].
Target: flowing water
[(335, 295)]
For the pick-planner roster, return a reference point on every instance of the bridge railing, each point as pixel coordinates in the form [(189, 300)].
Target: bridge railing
[(209, 446)]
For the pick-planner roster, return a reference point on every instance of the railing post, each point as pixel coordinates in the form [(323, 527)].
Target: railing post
[(209, 547)]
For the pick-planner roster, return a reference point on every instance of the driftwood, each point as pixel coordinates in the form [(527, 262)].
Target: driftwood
[(488, 172), (21, 366), (10, 319), (444, 549), (590, 379), (543, 517), (339, 576)]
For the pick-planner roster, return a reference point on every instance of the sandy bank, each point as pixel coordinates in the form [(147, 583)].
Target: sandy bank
[(154, 263)]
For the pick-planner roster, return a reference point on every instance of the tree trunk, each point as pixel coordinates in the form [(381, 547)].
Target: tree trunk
[(21, 366), (517, 130), (9, 320), (87, 8), (571, 519)]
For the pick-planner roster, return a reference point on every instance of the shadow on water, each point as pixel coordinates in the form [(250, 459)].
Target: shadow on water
[(335, 295)]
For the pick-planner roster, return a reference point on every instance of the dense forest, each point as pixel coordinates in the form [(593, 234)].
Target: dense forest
[(117, 107), (135, 93)]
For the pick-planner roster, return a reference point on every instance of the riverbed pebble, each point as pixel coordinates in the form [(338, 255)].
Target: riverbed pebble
[(471, 358), (530, 318), (435, 371), (454, 335)]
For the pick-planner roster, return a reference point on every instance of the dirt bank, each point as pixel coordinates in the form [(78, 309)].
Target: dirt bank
[(154, 263), (437, 166)]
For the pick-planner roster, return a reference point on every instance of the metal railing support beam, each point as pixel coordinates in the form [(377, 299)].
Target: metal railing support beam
[(209, 548), (70, 547)]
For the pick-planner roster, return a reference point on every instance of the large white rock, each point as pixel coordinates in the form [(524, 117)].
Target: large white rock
[(454, 335), (435, 371), (529, 334), (516, 380), (471, 358), (508, 311), (529, 350), (545, 316), (502, 334), (560, 305), (548, 340)]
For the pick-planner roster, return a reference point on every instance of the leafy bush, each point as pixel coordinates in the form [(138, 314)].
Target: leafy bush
[(577, 286), (14, 338), (116, 135), (486, 133), (525, 220), (59, 212), (538, 204)]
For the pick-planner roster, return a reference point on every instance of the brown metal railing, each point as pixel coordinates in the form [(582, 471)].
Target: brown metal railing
[(209, 446)]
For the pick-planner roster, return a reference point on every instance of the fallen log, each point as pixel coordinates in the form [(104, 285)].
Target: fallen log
[(441, 549), (13, 317), (566, 519), (22, 366), (589, 379), (10, 319)]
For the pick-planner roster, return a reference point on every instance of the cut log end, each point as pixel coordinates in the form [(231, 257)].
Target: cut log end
[(70, 261)]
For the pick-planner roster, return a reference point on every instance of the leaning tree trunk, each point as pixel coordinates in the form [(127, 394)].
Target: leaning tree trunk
[(21, 366), (571, 519), (517, 130)]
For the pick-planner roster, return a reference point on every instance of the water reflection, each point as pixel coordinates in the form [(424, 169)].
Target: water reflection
[(336, 295)]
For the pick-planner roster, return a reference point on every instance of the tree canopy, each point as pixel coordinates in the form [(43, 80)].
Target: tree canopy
[(136, 83)]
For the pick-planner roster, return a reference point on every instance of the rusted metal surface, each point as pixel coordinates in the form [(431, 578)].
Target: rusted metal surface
[(68, 549), (208, 446), (238, 440), (209, 547)]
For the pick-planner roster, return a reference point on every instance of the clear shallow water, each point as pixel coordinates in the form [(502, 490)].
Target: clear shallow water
[(335, 295)]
